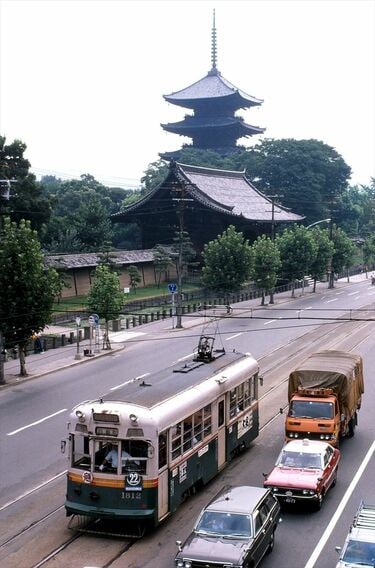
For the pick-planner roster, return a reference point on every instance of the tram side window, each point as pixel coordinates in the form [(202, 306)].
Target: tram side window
[(198, 424), (81, 453), (176, 440), (207, 421), (254, 383), (188, 433), (233, 403), (241, 397), (162, 449)]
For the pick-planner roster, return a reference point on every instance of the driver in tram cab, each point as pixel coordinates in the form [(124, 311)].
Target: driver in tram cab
[(111, 459)]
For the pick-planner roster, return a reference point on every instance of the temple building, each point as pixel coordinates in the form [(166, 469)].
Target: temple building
[(214, 101), (204, 202)]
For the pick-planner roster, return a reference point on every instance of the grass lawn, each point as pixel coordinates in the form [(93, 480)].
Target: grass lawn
[(78, 303)]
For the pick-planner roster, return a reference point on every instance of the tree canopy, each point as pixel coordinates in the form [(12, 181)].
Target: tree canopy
[(27, 198), (106, 297), (297, 252), (27, 288), (227, 261), (266, 264)]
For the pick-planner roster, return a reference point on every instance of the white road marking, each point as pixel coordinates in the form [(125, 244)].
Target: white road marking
[(32, 490), (371, 293), (342, 292), (308, 308), (233, 336), (267, 322), (352, 293), (182, 359), (129, 381), (37, 422), (329, 301), (121, 336), (318, 549)]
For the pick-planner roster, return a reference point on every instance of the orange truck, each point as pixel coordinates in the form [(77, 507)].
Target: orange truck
[(324, 394)]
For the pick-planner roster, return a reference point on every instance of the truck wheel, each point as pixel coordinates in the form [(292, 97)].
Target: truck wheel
[(351, 427)]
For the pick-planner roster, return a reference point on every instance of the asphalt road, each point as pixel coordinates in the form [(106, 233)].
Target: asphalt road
[(33, 422)]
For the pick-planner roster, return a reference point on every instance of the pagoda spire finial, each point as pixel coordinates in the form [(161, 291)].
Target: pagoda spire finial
[(213, 46)]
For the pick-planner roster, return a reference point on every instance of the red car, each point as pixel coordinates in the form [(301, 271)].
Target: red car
[(304, 471)]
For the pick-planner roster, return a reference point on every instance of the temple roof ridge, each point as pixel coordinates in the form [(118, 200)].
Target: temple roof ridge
[(212, 85), (211, 171)]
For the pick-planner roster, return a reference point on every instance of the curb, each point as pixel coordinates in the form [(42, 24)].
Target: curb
[(72, 363)]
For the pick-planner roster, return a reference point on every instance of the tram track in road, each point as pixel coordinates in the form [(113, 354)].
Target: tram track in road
[(31, 526), (275, 368)]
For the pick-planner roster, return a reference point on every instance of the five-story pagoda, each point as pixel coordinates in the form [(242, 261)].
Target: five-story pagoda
[(214, 100)]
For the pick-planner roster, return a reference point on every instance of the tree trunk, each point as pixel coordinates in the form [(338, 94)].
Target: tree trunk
[(263, 298), (314, 287), (107, 340), (22, 356), (293, 286)]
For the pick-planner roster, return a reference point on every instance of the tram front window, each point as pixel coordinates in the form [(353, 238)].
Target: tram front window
[(81, 453), (121, 457)]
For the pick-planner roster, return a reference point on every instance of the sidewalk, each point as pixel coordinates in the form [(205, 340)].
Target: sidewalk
[(52, 360)]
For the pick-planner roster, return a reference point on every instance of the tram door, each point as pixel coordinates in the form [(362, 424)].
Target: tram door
[(163, 490), (221, 432)]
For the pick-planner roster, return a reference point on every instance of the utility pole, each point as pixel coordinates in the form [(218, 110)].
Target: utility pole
[(181, 201), (331, 280), (272, 197), (4, 196)]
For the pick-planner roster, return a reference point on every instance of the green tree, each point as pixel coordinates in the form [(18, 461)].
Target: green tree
[(324, 252), (227, 262), (266, 265), (27, 288), (308, 173), (93, 226), (343, 254), (106, 297), (28, 200), (297, 252), (369, 252), (69, 202), (153, 175), (162, 261), (134, 277)]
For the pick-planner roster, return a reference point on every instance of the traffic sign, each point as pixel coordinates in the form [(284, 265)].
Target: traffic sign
[(96, 318), (172, 288), (91, 320)]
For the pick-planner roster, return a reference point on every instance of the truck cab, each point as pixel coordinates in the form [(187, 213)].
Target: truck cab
[(313, 414)]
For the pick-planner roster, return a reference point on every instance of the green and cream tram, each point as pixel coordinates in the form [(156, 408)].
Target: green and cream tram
[(169, 436)]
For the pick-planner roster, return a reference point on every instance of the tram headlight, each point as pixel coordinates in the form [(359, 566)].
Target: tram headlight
[(133, 418), (80, 415)]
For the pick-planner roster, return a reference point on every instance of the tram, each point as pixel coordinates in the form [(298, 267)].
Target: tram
[(170, 435)]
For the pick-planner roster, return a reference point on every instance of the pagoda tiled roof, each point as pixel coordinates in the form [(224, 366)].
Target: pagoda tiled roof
[(232, 191), (92, 259), (193, 124), (212, 87), (224, 191)]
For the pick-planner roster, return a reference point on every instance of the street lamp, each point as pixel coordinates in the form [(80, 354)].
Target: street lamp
[(78, 322), (318, 222)]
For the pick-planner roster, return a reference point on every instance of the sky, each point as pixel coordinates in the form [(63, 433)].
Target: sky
[(82, 81)]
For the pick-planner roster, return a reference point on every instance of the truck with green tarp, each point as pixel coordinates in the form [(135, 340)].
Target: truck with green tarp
[(324, 394)]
